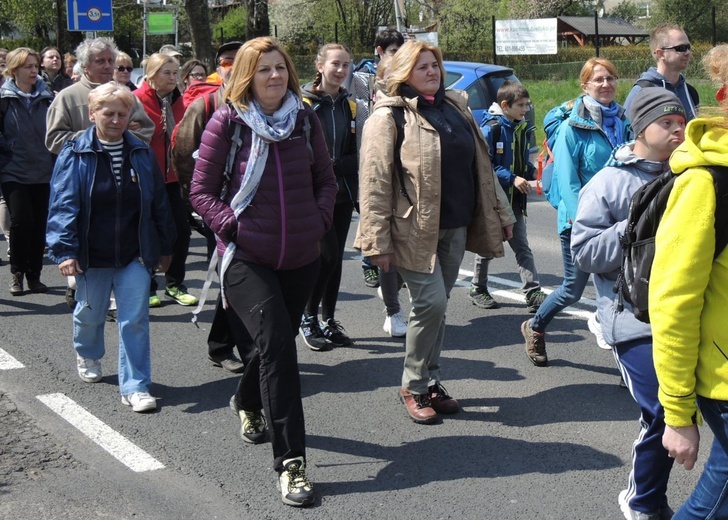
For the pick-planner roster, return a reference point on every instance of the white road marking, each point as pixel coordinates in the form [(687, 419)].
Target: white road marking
[(113, 442), (8, 362), (589, 302)]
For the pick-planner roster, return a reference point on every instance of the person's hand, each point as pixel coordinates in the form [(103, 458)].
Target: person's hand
[(383, 262), (70, 267), (507, 232), (522, 185), (163, 264), (682, 444), (134, 126)]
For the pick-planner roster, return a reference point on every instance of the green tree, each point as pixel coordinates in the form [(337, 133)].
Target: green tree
[(626, 10), (233, 26), (697, 21)]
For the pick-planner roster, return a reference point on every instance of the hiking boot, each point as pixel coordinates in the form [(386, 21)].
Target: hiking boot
[(179, 294), (89, 370), (335, 333), (596, 328), (535, 345), (16, 284), (440, 400), (418, 406), (253, 425), (482, 298), (139, 401), (295, 488), (534, 299), (395, 325), (371, 277), (312, 334), (664, 513), (35, 286)]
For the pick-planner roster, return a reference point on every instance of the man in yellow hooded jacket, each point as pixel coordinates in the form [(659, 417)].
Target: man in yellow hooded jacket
[(689, 307)]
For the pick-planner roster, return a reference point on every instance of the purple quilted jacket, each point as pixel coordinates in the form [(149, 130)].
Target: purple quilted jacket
[(294, 204)]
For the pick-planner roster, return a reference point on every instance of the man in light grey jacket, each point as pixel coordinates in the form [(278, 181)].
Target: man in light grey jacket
[(658, 121)]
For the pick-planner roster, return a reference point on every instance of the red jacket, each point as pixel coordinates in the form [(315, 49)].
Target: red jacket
[(160, 144), (293, 206)]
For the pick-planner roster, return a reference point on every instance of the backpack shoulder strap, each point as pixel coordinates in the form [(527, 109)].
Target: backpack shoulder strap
[(398, 116), (644, 83), (495, 126), (693, 94), (352, 107), (720, 180), (307, 136)]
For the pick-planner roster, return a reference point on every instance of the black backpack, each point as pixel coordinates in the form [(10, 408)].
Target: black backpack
[(638, 242)]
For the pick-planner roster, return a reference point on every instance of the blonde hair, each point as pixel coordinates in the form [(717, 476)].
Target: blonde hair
[(592, 63), (16, 59), (123, 57), (403, 63), (715, 63), (239, 89), (109, 92), (321, 59), (154, 64)]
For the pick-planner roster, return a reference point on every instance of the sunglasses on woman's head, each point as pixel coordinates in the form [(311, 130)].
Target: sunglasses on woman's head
[(121, 68)]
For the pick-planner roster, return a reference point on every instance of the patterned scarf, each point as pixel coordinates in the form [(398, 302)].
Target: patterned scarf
[(606, 117)]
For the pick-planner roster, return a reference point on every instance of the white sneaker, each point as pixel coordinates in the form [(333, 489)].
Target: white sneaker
[(395, 325), (139, 401), (596, 329), (296, 490), (89, 370)]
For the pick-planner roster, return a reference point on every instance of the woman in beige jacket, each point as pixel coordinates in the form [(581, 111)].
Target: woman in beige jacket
[(423, 207)]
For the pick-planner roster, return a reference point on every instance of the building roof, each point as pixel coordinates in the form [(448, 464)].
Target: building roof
[(614, 27)]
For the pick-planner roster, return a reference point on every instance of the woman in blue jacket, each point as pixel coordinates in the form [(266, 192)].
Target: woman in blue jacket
[(110, 226), (596, 125), (24, 101)]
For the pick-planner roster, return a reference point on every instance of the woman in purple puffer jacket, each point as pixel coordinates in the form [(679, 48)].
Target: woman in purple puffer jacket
[(269, 219)]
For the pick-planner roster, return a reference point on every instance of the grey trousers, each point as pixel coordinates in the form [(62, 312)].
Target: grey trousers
[(524, 258), (426, 328)]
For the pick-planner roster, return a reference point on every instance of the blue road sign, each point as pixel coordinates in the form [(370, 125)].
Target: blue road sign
[(89, 15)]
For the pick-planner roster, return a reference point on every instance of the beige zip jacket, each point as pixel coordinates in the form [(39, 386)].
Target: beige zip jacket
[(388, 224)]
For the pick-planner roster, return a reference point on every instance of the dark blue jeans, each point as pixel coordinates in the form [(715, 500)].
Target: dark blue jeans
[(709, 499), (568, 293)]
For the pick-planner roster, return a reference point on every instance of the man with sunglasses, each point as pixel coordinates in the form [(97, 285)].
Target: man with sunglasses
[(672, 51), (226, 330)]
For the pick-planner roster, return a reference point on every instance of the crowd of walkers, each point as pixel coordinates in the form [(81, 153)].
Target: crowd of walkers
[(112, 177)]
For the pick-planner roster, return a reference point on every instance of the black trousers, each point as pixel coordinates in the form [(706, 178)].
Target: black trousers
[(326, 289), (175, 275), (227, 331), (28, 206), (270, 304)]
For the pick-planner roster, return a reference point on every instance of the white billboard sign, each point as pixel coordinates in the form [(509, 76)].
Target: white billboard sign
[(536, 36)]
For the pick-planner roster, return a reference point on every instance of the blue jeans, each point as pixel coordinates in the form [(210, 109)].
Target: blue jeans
[(647, 483), (568, 293), (709, 499), (130, 285)]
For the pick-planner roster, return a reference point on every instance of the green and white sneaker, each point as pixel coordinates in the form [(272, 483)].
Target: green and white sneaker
[(295, 488), (179, 294), (253, 425)]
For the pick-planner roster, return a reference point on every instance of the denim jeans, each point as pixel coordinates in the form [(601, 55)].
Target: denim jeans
[(651, 465), (524, 258), (568, 293), (130, 285), (709, 499)]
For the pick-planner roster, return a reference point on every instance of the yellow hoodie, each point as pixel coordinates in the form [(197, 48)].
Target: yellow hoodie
[(688, 290)]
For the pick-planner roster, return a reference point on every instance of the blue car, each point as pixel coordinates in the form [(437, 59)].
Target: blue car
[(481, 81)]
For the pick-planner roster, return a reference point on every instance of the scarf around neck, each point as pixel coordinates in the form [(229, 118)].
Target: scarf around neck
[(607, 118), (265, 130)]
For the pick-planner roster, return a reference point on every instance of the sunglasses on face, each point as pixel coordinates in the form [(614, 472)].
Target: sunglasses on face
[(226, 62), (121, 68), (678, 48)]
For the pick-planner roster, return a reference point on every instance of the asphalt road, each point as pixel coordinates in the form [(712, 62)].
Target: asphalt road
[(530, 443)]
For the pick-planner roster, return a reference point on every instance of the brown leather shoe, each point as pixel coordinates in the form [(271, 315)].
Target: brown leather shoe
[(441, 401), (535, 345), (418, 407)]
